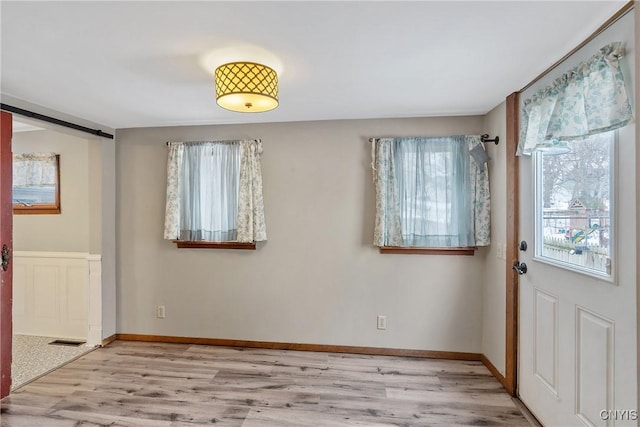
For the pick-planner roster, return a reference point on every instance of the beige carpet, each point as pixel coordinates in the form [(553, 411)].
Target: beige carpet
[(33, 356)]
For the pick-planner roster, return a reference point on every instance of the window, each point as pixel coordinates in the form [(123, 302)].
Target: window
[(431, 193), (36, 183), (214, 194), (570, 128), (573, 203)]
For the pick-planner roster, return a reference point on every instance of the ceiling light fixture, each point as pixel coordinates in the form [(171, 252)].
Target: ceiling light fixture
[(246, 87)]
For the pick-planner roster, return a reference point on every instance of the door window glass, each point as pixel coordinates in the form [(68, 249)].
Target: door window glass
[(574, 202)]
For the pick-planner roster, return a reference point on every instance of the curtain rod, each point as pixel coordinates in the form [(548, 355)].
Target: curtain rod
[(256, 140), (484, 138), (49, 119), (609, 22)]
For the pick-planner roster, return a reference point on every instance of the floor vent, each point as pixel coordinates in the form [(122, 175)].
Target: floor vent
[(71, 343)]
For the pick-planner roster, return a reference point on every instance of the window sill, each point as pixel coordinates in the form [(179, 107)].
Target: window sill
[(184, 244), (411, 250), (36, 210)]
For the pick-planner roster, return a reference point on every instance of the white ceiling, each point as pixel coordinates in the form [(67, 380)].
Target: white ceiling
[(23, 126), (134, 64)]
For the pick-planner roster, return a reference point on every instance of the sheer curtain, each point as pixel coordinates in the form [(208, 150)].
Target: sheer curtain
[(209, 205), (430, 192), (434, 212), (214, 192)]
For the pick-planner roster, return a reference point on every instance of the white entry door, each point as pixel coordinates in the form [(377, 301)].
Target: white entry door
[(577, 300)]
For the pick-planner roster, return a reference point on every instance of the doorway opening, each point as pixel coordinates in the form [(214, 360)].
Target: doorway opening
[(52, 249)]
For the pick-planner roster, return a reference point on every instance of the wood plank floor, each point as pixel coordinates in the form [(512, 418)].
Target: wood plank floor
[(149, 384)]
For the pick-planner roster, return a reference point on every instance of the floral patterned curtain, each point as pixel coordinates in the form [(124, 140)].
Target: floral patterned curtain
[(587, 100), (431, 192), (250, 223), (174, 184), (481, 196), (387, 230)]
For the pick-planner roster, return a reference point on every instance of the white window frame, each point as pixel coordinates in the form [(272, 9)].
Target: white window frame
[(613, 233)]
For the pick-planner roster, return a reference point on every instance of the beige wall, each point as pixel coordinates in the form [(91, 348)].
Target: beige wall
[(94, 181), (494, 290), (69, 231), (318, 279)]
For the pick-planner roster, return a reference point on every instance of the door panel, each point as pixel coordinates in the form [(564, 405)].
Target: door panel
[(545, 339), (594, 367), (577, 346), (6, 219)]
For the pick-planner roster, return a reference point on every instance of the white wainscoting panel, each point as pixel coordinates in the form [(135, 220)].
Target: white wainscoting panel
[(47, 292), (594, 367), (545, 361), (19, 292), (51, 294)]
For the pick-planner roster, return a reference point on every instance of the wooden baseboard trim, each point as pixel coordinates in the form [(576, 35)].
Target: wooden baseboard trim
[(493, 370), (374, 351), (109, 340)]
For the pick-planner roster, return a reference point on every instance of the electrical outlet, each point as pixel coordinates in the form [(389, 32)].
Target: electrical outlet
[(160, 312), (504, 251), (382, 322), (499, 250)]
